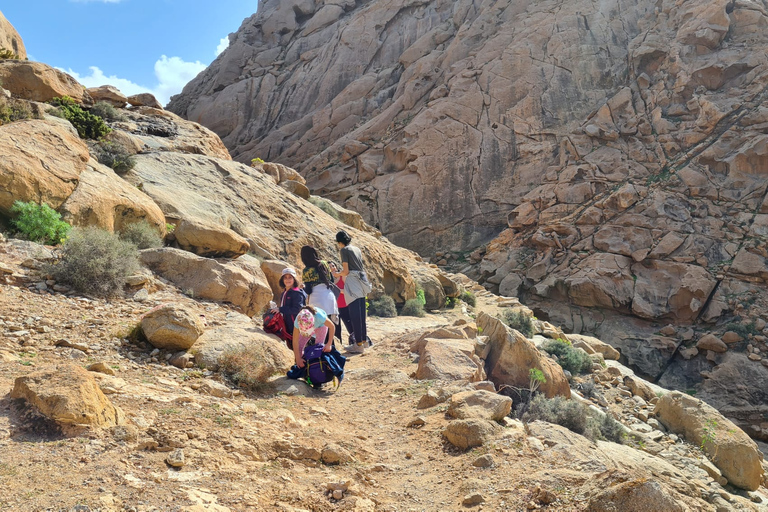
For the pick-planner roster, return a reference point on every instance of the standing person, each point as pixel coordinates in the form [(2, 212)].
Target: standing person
[(317, 279), (343, 309), (356, 287), (292, 299)]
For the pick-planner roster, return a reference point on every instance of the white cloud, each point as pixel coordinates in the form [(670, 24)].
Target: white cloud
[(172, 75), (223, 45)]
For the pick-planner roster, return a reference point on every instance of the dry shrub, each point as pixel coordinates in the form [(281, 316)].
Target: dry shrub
[(245, 366), (142, 235), (95, 261)]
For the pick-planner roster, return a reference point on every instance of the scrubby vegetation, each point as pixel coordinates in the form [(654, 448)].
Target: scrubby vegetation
[(469, 298), (114, 156), (96, 262), (245, 367), (88, 126), (5, 53), (571, 359), (413, 307), (106, 111), (574, 416), (142, 235), (519, 321), (39, 223), (324, 205), (383, 306), (14, 110)]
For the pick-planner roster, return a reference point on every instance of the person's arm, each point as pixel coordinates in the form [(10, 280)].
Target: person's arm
[(331, 333), (297, 356)]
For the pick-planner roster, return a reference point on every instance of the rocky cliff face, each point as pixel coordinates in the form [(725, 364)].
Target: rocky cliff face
[(615, 152), (10, 38)]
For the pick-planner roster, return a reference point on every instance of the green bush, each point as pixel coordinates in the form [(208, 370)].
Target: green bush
[(421, 297), (142, 235), (469, 298), (95, 261), (413, 307), (574, 360), (576, 417), (106, 111), (519, 321), (5, 53), (450, 302), (115, 156), (39, 223), (383, 306), (88, 126)]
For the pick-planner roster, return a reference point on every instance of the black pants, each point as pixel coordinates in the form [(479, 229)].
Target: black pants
[(357, 315), (347, 320)]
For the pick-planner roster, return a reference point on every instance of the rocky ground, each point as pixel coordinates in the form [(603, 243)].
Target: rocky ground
[(193, 442)]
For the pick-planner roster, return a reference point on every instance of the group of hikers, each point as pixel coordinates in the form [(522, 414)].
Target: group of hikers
[(313, 307)]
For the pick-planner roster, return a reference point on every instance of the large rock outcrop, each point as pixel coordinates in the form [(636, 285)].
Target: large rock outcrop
[(10, 38)]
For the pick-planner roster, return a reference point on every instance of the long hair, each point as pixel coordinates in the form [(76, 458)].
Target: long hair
[(311, 259)]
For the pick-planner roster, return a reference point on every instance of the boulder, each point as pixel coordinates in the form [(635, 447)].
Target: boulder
[(726, 445), (450, 360), (42, 162), (479, 405), (105, 200), (512, 355), (441, 333), (144, 99), (595, 345), (172, 327), (634, 495), (465, 434), (36, 81), (639, 387), (68, 395), (209, 240), (273, 271), (267, 354), (108, 94), (218, 280), (10, 38), (296, 188), (711, 342)]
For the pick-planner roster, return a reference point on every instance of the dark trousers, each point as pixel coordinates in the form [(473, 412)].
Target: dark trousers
[(357, 315), (347, 320)]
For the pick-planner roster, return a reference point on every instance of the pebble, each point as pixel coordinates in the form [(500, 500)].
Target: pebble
[(175, 458), (473, 499)]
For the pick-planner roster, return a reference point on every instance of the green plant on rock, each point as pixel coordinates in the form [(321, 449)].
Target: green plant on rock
[(115, 156), (324, 205), (519, 321), (95, 261), (576, 417), (421, 297), (256, 161), (106, 111), (5, 53), (88, 126), (384, 307), (39, 222), (142, 234), (569, 358), (413, 307)]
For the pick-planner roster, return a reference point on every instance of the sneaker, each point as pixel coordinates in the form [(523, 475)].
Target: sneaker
[(351, 340), (370, 343), (357, 348)]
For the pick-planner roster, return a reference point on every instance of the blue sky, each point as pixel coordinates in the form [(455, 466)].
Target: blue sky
[(136, 45)]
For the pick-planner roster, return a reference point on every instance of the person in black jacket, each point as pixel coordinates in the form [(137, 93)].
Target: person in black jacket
[(293, 298)]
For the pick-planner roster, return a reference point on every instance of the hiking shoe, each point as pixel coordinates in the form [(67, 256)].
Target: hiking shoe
[(370, 343)]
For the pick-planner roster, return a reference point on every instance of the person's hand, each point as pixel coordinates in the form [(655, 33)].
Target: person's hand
[(274, 310), (300, 363), (327, 347)]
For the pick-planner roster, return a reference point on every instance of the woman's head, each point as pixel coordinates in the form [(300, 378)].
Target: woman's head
[(309, 256), (343, 238), (289, 279)]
